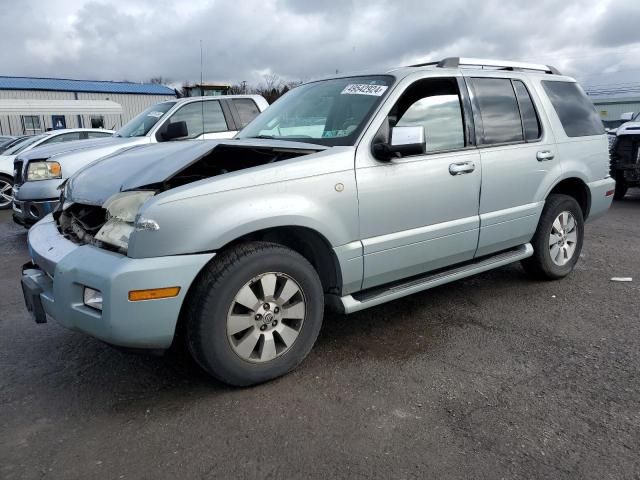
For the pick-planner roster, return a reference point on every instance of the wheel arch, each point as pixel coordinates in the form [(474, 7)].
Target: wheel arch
[(576, 188), (309, 243)]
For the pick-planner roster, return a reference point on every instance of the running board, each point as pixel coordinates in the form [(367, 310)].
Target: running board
[(378, 295)]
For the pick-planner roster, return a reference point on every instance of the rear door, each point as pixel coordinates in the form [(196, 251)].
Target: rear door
[(518, 155)]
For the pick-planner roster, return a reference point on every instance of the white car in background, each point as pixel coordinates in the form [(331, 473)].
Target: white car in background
[(36, 191), (29, 143)]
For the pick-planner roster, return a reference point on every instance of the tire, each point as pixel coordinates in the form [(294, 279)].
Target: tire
[(621, 188), (6, 192), (556, 250), (231, 294)]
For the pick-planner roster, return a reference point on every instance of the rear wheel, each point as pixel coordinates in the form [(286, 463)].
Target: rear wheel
[(254, 313), (6, 192), (558, 239)]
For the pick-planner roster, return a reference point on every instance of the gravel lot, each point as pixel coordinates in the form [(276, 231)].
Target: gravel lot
[(496, 376)]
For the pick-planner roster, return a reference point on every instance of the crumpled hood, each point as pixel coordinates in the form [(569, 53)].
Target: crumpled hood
[(55, 149), (152, 164)]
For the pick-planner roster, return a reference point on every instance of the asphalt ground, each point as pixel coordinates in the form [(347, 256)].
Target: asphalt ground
[(495, 376)]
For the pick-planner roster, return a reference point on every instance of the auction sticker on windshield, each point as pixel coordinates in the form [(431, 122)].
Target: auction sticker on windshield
[(155, 114), (364, 89)]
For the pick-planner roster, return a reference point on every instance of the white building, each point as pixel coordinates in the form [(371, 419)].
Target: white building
[(132, 97)]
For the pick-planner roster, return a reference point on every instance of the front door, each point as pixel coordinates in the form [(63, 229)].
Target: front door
[(420, 213)]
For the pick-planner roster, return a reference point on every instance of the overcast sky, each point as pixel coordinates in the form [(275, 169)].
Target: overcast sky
[(597, 41)]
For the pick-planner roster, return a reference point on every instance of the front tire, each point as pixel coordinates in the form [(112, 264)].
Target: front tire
[(558, 239), (6, 192), (254, 313)]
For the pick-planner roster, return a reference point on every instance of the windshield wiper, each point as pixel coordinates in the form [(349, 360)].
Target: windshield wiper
[(268, 137)]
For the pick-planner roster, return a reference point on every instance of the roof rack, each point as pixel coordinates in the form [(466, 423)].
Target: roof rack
[(455, 62)]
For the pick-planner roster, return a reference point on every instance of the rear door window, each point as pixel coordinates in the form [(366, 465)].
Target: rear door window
[(99, 134), (530, 121), (247, 110), (498, 110), (575, 111)]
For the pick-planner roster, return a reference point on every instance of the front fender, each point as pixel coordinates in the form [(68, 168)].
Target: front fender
[(211, 221)]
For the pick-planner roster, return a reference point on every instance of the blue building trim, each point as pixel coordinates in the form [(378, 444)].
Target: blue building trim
[(84, 86)]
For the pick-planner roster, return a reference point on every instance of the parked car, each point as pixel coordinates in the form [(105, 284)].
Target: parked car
[(624, 146), (350, 191), (186, 118), (4, 139), (7, 144), (29, 143)]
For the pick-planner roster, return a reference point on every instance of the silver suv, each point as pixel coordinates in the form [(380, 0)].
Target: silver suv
[(347, 192)]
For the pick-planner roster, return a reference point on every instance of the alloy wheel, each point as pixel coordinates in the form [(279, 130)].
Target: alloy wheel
[(563, 238), (265, 317), (6, 193)]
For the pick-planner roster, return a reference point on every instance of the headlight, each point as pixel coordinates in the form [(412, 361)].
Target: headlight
[(122, 209), (43, 171)]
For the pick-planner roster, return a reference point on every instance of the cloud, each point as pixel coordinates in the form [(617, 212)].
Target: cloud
[(304, 39)]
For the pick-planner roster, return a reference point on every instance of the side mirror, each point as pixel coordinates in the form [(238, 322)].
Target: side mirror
[(176, 130), (404, 141), (627, 116)]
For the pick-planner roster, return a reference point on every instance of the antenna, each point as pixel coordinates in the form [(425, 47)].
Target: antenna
[(201, 89)]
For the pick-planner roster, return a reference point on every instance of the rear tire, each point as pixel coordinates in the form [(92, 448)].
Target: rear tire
[(254, 313), (558, 239)]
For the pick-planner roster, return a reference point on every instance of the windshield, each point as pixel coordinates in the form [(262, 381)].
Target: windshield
[(636, 117), (20, 146), (140, 125), (329, 112)]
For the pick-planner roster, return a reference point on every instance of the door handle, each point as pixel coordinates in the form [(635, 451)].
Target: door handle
[(544, 156), (461, 168)]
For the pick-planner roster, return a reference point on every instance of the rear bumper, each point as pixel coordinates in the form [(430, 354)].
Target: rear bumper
[(63, 269), (601, 197)]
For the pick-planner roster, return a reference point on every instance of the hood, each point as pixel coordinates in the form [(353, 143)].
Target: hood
[(48, 151), (162, 166), (632, 128)]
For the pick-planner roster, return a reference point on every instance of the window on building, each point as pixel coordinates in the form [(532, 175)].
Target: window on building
[(247, 110), (97, 121), (576, 112), (31, 124)]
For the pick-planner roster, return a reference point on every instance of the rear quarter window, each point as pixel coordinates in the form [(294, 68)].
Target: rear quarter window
[(575, 111)]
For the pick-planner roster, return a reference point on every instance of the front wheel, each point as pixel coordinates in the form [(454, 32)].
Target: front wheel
[(6, 192), (558, 239), (254, 313)]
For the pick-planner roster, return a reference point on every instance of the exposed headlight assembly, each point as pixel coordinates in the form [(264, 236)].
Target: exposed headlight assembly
[(43, 171), (122, 210)]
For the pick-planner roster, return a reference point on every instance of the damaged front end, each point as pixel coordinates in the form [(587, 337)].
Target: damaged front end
[(86, 215)]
